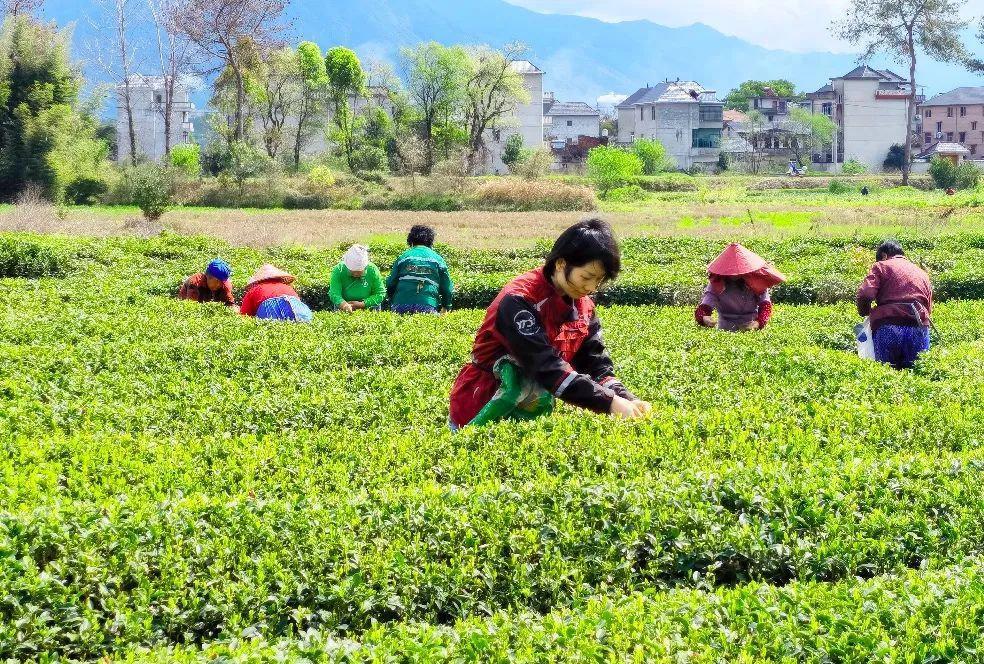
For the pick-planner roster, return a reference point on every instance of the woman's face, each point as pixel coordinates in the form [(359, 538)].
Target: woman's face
[(582, 281), (357, 274), (213, 283)]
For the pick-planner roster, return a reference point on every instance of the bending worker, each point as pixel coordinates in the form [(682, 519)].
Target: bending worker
[(541, 339), (738, 289), (355, 282)]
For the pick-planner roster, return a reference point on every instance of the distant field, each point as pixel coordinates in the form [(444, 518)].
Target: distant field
[(710, 212)]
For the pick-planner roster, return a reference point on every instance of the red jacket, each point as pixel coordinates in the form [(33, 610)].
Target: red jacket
[(557, 342), (196, 288), (896, 284), (258, 292)]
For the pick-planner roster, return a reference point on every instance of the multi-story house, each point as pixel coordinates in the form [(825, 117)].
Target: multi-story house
[(956, 116), (771, 105), (526, 120), (870, 108), (565, 121), (682, 115), (147, 97)]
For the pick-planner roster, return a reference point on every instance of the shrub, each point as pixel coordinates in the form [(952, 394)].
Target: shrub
[(839, 187), (543, 194), (535, 164), (667, 182), (369, 158), (967, 176), (610, 167), (187, 159), (320, 177), (632, 192), (895, 159), (514, 150), (653, 156), (85, 190), (151, 188), (853, 167), (944, 172)]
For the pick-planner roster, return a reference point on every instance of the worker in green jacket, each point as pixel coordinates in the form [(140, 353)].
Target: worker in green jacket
[(419, 281), (355, 282)]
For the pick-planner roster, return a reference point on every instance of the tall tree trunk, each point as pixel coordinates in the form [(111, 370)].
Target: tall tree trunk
[(121, 35), (169, 85), (131, 130), (301, 117), (910, 112)]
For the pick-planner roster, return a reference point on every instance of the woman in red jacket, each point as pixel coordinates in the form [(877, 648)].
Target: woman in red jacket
[(544, 322)]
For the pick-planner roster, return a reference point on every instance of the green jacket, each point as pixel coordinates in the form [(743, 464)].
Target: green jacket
[(344, 288), (420, 276)]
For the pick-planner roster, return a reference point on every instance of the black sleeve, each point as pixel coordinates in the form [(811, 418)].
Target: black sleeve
[(519, 324), (593, 359)]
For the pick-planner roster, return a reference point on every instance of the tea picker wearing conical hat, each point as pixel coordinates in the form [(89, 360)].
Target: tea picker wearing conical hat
[(269, 295), (738, 289)]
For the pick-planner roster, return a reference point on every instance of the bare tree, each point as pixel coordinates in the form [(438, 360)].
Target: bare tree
[(174, 52), (493, 90), (900, 28), (114, 22), (20, 7), (280, 96), (216, 26)]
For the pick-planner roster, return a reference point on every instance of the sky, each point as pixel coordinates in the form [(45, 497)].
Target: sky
[(792, 25)]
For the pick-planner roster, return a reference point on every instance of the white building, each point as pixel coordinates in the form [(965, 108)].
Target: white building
[(682, 115), (870, 108), (526, 120), (565, 121), (147, 101)]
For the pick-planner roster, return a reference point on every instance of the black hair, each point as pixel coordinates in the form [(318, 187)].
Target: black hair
[(588, 240), (888, 249), (421, 235)]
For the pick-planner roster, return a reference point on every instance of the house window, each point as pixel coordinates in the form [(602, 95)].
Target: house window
[(711, 113), (949, 136), (973, 149), (653, 112), (963, 137), (929, 112), (949, 111), (827, 108), (928, 138), (641, 109), (963, 111), (973, 125), (706, 138), (158, 99), (570, 123), (939, 127), (184, 116)]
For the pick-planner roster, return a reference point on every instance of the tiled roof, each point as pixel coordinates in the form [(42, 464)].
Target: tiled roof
[(671, 92), (947, 148), (957, 97), (569, 108), (734, 116), (864, 71)]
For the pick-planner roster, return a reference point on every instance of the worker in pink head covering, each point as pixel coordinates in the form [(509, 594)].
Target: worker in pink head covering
[(738, 289)]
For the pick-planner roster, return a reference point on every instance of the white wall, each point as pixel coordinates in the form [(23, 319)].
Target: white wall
[(871, 126), (148, 120), (527, 121), (581, 125)]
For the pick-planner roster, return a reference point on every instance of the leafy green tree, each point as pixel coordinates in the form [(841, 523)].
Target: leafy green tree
[(46, 138), (901, 29), (151, 189), (653, 156), (187, 158), (436, 82), (314, 77), (514, 151), (493, 90), (346, 81), (738, 98), (814, 131), (610, 167)]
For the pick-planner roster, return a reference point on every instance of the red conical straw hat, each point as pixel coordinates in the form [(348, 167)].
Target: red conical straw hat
[(268, 272), (737, 261)]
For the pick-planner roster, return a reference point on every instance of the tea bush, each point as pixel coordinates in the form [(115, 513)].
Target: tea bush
[(180, 483)]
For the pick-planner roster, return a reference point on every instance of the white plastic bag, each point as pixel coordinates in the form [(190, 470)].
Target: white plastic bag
[(865, 340)]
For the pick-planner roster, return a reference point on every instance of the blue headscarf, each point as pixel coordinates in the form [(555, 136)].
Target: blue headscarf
[(219, 269)]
